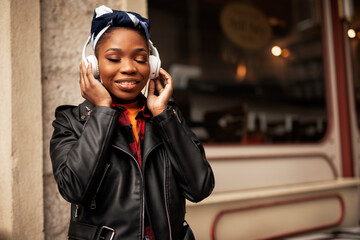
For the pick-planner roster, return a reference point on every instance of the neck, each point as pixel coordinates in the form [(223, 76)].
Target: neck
[(122, 101)]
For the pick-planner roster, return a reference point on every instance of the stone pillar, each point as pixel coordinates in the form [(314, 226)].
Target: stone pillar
[(65, 27), (21, 165), (5, 125)]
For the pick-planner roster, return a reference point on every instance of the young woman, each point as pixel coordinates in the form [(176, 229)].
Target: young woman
[(126, 162)]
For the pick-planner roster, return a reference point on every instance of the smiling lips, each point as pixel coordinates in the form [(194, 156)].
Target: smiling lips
[(126, 84)]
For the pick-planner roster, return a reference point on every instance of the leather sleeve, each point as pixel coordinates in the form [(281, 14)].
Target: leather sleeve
[(78, 153), (186, 154)]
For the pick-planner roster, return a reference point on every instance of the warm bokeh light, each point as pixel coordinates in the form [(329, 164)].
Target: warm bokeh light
[(285, 53), (351, 33), (240, 72), (276, 51)]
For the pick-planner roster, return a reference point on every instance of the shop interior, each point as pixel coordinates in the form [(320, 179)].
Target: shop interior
[(245, 72)]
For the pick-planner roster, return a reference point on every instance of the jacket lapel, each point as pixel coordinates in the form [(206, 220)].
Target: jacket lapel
[(151, 139), (120, 142)]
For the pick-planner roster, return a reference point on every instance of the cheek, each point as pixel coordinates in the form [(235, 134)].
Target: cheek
[(145, 71), (106, 71)]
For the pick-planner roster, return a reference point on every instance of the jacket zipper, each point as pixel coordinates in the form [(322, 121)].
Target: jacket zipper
[(177, 116), (143, 195), (83, 117), (165, 199), (93, 201)]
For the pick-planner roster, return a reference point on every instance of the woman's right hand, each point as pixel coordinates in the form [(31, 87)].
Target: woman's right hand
[(91, 89)]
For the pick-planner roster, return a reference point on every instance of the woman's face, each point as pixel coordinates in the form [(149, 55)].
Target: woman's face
[(123, 58)]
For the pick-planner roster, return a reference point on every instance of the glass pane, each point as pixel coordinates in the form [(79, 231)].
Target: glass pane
[(354, 35), (245, 71)]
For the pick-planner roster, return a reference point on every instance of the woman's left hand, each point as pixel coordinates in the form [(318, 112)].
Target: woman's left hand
[(157, 104)]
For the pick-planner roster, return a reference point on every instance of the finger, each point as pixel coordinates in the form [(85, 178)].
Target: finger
[(151, 90), (82, 76), (167, 91), (90, 77), (83, 80), (80, 69), (84, 72), (158, 84), (168, 80)]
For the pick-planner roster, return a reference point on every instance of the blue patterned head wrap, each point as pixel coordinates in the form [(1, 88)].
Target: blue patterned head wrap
[(105, 17)]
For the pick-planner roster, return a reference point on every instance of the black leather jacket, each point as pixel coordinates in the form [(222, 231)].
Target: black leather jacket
[(96, 172)]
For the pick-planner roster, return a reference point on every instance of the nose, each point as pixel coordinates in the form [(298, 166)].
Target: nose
[(127, 66)]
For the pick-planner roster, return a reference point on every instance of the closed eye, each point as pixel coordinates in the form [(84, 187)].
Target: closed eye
[(114, 59), (141, 60)]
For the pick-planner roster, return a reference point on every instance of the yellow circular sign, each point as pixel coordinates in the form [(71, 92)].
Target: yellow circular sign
[(245, 25)]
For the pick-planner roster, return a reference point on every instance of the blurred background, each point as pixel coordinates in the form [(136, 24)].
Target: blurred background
[(271, 88)]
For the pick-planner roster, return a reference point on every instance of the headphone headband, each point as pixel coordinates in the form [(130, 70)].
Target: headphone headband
[(153, 49)]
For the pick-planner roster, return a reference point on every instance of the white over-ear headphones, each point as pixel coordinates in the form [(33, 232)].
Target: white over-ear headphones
[(91, 59), (154, 61)]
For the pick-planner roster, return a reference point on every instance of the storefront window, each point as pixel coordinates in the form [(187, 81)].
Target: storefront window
[(245, 72), (353, 32)]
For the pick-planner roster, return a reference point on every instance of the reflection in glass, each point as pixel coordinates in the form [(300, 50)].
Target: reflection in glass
[(245, 72), (354, 35)]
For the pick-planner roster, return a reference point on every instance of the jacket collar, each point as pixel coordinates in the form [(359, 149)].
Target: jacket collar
[(151, 137), (120, 142)]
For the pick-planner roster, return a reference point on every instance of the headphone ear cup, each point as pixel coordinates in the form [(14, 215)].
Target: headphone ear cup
[(155, 64), (94, 64)]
